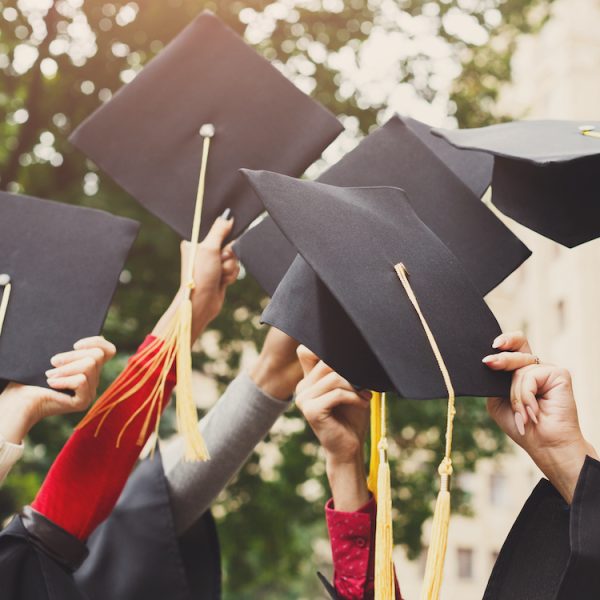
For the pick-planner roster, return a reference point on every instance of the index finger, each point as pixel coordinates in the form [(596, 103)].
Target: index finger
[(218, 233), (108, 348), (515, 341)]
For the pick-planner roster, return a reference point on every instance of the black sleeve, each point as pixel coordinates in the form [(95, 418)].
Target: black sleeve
[(32, 566), (582, 577), (330, 589), (136, 555), (553, 550)]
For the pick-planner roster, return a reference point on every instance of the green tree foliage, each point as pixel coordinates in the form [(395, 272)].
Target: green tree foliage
[(60, 59)]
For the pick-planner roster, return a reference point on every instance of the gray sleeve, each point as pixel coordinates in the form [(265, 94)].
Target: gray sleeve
[(239, 420)]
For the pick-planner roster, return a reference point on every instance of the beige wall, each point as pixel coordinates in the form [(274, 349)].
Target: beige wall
[(554, 297)]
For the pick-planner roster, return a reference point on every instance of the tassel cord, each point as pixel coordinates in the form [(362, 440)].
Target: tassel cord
[(4, 304), (434, 568)]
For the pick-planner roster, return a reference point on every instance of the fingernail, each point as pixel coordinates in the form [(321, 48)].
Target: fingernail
[(531, 414), (366, 394), (520, 423), (50, 372), (226, 214), (498, 342), (489, 359)]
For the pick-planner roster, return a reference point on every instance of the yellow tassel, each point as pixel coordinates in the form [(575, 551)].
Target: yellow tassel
[(175, 345), (434, 570), (384, 535), (187, 416), (5, 298), (375, 438)]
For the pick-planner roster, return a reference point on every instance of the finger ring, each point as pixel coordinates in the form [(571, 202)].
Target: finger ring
[(536, 359)]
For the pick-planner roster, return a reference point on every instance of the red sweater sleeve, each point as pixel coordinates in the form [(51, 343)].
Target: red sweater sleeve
[(352, 536), (87, 477)]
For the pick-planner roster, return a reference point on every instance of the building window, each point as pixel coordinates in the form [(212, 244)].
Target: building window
[(498, 489), (465, 563)]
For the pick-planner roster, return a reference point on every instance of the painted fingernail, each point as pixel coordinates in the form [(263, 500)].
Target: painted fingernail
[(498, 342), (226, 214), (488, 360), (366, 394), (531, 414), (520, 423)]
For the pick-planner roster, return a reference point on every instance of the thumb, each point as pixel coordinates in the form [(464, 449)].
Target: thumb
[(218, 233), (308, 360)]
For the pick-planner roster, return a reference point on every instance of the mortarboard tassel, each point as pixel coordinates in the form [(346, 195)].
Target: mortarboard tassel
[(375, 438), (174, 345), (5, 282), (434, 569), (384, 537)]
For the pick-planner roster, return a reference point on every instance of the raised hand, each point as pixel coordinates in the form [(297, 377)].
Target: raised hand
[(541, 415), (22, 406), (339, 416)]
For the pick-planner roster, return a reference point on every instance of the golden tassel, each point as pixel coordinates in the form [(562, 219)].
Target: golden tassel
[(375, 438), (434, 569), (174, 345), (385, 588), (4, 281)]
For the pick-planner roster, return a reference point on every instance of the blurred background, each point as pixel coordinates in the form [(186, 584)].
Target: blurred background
[(453, 63)]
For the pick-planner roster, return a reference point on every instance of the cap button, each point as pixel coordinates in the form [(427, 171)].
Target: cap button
[(4, 279), (207, 130)]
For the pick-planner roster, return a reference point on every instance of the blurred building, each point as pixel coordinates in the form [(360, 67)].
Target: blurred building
[(554, 298)]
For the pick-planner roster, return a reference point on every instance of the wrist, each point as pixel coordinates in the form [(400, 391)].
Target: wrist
[(348, 481), (562, 465), (275, 378), (17, 416)]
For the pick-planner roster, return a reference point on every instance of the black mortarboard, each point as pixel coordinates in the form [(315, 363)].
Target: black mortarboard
[(413, 302), (64, 264), (147, 137), (443, 186), (353, 238), (545, 174)]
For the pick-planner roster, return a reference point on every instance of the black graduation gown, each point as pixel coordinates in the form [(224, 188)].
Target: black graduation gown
[(37, 560), (135, 554), (553, 550)]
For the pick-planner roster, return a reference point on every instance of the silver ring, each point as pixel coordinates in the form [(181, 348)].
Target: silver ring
[(536, 359)]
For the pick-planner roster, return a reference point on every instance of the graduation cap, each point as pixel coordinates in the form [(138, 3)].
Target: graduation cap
[(206, 92), (59, 268), (444, 186), (147, 136), (410, 298), (545, 174)]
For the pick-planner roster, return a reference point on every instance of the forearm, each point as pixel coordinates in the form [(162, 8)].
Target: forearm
[(10, 453), (240, 420), (200, 319), (348, 481)]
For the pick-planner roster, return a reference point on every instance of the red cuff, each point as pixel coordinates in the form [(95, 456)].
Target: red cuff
[(351, 535)]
